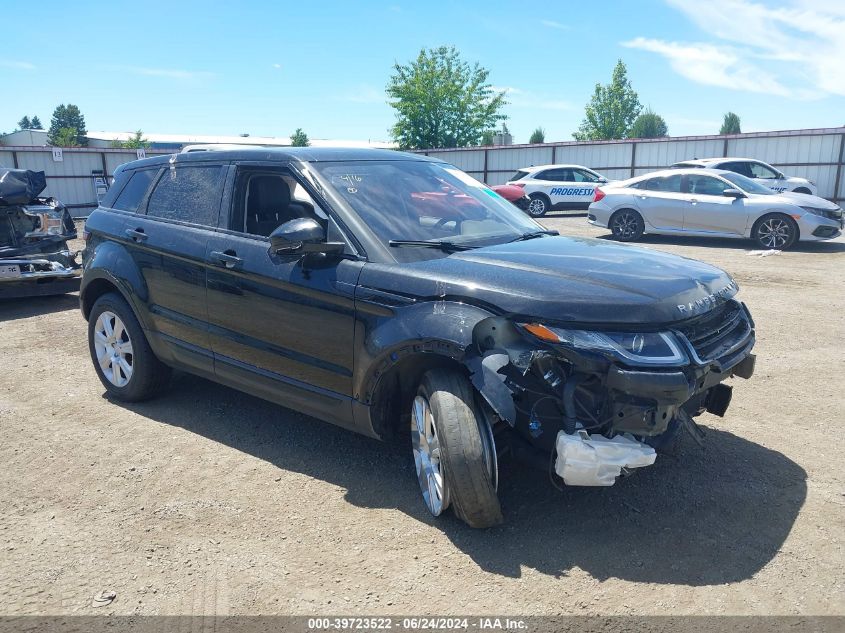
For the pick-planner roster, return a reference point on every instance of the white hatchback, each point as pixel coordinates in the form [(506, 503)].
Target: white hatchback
[(569, 187)]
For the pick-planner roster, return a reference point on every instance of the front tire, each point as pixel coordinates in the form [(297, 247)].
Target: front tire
[(775, 231), (539, 205), (122, 357), (452, 450), (626, 225)]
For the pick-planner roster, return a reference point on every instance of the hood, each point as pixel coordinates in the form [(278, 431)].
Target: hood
[(564, 280), (805, 200)]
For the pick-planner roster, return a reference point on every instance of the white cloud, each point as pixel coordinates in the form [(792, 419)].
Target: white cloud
[(9, 63), (712, 65), (168, 73), (795, 49), (555, 25), (277, 65)]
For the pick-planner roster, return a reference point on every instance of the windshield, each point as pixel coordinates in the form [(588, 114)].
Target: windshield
[(747, 185), (418, 200)]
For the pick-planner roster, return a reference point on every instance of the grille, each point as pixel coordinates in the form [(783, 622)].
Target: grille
[(717, 334)]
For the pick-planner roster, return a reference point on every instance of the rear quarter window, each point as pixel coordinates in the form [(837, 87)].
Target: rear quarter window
[(188, 194), (133, 193), (519, 175)]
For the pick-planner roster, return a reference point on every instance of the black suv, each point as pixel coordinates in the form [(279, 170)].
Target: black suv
[(386, 293)]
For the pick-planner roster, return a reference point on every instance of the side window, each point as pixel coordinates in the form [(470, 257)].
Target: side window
[(738, 168), (135, 190), (555, 175), (579, 175), (706, 185), (264, 200), (759, 170), (189, 193), (519, 175), (669, 184)]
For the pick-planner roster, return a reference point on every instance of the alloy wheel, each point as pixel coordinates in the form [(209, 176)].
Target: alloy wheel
[(774, 233), (624, 225), (427, 457), (113, 348), (537, 206)]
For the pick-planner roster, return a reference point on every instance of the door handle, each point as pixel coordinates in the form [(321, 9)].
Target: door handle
[(136, 235), (229, 258)]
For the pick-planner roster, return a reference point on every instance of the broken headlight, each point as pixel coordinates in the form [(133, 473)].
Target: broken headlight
[(635, 348)]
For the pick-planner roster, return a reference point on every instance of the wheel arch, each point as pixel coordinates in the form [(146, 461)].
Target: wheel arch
[(112, 269), (771, 213)]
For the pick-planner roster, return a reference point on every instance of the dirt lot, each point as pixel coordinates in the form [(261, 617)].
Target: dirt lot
[(208, 501)]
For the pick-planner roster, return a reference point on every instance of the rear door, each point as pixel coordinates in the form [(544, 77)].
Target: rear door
[(167, 238), (281, 327), (661, 202), (709, 210)]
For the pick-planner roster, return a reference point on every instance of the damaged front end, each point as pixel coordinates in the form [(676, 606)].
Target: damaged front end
[(35, 258), (600, 402)]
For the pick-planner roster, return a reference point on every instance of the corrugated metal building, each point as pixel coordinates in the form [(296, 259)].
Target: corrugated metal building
[(816, 154)]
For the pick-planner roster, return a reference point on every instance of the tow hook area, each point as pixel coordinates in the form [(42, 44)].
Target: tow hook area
[(594, 460)]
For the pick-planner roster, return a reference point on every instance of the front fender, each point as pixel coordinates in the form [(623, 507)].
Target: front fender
[(390, 334), (112, 262)]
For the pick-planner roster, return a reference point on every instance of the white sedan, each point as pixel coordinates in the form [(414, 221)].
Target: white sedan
[(758, 171), (550, 187), (715, 203)]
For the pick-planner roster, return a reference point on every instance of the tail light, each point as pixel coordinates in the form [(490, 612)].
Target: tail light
[(598, 195)]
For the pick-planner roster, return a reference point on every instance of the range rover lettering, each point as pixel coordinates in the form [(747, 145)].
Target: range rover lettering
[(392, 294)]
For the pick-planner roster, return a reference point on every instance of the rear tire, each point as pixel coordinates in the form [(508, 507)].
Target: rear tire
[(626, 225), (775, 231), (122, 357), (539, 205), (446, 435)]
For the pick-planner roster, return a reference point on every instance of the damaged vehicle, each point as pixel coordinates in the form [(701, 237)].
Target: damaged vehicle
[(34, 256), (394, 295)]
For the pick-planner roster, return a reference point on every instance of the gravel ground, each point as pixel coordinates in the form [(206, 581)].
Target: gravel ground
[(208, 501)]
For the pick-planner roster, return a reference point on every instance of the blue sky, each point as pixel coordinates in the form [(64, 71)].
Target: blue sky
[(266, 68)]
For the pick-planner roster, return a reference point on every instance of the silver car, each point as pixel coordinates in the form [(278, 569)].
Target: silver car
[(712, 202)]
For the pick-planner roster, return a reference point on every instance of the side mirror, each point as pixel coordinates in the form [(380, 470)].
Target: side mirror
[(733, 193), (302, 235), (602, 180)]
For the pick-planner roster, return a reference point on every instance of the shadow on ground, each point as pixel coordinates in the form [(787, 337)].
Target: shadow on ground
[(14, 309), (709, 516), (735, 244)]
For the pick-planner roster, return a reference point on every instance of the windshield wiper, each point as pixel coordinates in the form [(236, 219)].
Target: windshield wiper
[(532, 235), (441, 244)]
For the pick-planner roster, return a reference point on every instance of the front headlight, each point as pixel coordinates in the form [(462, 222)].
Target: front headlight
[(636, 348), (825, 213)]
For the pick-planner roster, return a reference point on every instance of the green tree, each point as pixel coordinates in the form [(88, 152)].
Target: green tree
[(299, 139), (730, 125), (67, 117), (649, 125), (487, 137), (66, 137), (612, 109), (442, 101), (25, 123), (36, 123), (135, 142), (538, 136)]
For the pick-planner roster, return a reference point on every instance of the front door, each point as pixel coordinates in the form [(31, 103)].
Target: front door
[(281, 326), (709, 210)]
